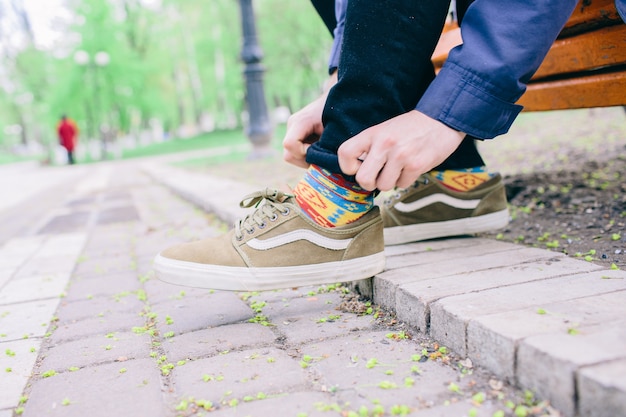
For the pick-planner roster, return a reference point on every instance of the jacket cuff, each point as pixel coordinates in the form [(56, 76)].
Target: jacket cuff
[(333, 59), (468, 103)]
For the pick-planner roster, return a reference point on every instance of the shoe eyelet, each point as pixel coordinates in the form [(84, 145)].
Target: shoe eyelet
[(262, 225), (398, 195), (286, 212), (250, 231), (239, 238), (274, 217)]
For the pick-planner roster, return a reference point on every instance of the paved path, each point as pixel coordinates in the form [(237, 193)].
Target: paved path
[(85, 329)]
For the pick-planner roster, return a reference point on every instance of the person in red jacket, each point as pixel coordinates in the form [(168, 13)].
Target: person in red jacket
[(68, 136)]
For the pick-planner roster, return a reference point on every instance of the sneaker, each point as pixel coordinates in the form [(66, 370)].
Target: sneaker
[(429, 210), (277, 246)]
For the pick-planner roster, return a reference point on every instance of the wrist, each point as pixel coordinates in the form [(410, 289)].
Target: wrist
[(330, 81)]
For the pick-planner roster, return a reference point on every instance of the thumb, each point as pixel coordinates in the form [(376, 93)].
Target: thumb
[(352, 152)]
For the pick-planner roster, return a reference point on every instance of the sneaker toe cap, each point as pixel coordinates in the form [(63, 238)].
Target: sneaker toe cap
[(212, 251)]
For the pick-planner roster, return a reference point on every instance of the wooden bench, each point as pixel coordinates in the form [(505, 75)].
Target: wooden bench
[(586, 65)]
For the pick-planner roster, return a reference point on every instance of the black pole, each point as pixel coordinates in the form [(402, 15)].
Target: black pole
[(259, 129)]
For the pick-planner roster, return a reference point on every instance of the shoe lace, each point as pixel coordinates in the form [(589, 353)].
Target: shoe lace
[(400, 192), (268, 203)]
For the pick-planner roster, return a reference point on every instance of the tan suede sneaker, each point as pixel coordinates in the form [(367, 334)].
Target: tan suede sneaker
[(429, 210), (277, 246)]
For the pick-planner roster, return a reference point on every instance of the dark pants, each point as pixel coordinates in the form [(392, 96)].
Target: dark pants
[(70, 157), (385, 68)]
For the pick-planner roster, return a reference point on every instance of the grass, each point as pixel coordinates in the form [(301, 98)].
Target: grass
[(216, 139), (204, 141), (7, 158), (233, 156)]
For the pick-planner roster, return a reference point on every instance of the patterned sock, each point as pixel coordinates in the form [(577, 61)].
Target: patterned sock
[(462, 179), (329, 200)]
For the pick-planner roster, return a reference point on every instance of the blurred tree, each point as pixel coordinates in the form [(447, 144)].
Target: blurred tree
[(121, 64), (16, 34), (296, 45)]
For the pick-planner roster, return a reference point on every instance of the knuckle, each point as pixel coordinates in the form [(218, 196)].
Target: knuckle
[(287, 144), (388, 141), (364, 182), (343, 151)]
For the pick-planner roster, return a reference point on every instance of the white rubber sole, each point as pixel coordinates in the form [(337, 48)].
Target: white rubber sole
[(230, 278), (415, 232)]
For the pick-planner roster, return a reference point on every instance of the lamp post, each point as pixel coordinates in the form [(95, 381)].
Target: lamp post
[(259, 129), (100, 60)]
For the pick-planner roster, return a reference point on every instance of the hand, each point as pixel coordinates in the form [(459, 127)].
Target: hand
[(396, 152), (305, 128)]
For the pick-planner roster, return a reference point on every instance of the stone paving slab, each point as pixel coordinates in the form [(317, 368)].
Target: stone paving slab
[(24, 180), (481, 265), (212, 341), (94, 350), (450, 316), (287, 404), (312, 318), (109, 285), (552, 371), (26, 320), (36, 287), (29, 296), (240, 374), (601, 389), (103, 323), (17, 250), (414, 300), (188, 314), (427, 259), (17, 359), (96, 307), (492, 340), (353, 355), (223, 194), (452, 287), (120, 389)]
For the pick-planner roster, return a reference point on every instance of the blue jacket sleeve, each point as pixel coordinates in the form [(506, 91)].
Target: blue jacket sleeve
[(504, 42), (620, 5), (335, 52)]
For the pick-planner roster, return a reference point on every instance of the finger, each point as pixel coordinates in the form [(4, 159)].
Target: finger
[(352, 152), (407, 178), (388, 176), (368, 172), (297, 160), (294, 147)]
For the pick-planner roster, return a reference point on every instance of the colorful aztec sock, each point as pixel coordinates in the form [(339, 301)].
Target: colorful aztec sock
[(462, 179), (329, 200)]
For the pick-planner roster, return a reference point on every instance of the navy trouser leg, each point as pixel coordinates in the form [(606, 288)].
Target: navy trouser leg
[(385, 68)]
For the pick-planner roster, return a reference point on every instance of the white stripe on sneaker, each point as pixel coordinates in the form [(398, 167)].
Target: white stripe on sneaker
[(436, 198), (301, 234)]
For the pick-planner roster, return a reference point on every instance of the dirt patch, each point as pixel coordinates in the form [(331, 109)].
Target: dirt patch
[(581, 213), (565, 176)]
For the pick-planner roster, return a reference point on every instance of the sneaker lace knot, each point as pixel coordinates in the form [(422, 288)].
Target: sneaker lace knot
[(269, 203)]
